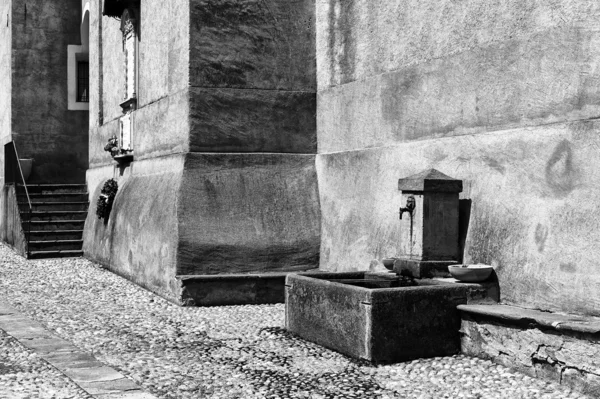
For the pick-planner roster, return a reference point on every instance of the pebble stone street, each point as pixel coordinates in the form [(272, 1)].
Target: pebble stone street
[(217, 352)]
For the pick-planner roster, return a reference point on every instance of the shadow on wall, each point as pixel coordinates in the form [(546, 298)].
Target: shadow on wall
[(464, 216), (64, 168)]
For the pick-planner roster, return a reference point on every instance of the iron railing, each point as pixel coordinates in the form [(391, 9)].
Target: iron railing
[(13, 173)]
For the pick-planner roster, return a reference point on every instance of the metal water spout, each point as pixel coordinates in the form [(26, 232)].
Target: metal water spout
[(410, 206)]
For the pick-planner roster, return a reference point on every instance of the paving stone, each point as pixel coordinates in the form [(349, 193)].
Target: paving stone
[(93, 374), (118, 386), (48, 344), (71, 360), (126, 395)]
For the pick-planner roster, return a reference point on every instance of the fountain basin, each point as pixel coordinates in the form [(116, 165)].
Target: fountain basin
[(381, 325)]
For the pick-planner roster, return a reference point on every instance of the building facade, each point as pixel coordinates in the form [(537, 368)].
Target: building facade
[(268, 136), (214, 105)]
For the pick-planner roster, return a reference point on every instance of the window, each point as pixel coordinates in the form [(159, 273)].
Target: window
[(83, 82), (78, 79)]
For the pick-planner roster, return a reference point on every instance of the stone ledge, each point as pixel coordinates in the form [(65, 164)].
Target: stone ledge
[(531, 318), (557, 347), (234, 289)]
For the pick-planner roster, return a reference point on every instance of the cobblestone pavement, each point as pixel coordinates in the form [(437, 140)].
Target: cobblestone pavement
[(217, 352)]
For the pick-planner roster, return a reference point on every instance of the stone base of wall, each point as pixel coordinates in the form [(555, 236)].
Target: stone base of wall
[(207, 214), (561, 348)]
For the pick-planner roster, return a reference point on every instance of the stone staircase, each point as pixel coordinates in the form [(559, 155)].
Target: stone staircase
[(57, 219)]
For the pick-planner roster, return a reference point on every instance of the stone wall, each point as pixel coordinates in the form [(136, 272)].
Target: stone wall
[(11, 228), (502, 95), (566, 355), (42, 126), (241, 213), (5, 79), (139, 240), (253, 76), (223, 179)]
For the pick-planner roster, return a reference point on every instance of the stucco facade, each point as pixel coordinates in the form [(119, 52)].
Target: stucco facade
[(269, 136), (42, 126), (35, 38), (502, 95), (223, 178)]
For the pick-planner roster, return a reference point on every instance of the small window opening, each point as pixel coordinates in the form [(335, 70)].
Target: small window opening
[(83, 81)]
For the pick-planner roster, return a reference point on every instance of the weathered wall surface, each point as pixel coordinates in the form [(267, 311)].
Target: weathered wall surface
[(42, 126), (11, 229), (209, 211), (533, 211), (431, 69), (140, 238), (242, 213), (161, 122), (253, 74), (502, 95), (5, 80)]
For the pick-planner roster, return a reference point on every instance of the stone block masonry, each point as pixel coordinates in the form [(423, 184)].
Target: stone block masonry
[(564, 349)]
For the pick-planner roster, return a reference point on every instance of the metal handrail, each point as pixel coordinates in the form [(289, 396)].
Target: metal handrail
[(18, 163)]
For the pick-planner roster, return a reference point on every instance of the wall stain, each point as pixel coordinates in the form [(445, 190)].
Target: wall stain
[(342, 40), (568, 267), (561, 175), (494, 164), (541, 234)]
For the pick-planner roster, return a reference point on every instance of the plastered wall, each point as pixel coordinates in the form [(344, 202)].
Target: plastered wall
[(500, 94), (42, 126), (252, 76), (223, 178), (160, 123), (5, 77)]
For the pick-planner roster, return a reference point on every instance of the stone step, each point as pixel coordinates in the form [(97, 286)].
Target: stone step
[(53, 189), (53, 225), (50, 235), (61, 197), (54, 206), (55, 254), (54, 215), (56, 245)]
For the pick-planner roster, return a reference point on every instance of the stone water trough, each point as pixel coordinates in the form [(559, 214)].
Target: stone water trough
[(372, 316), (393, 317)]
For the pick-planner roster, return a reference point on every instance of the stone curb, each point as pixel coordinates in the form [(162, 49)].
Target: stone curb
[(83, 369)]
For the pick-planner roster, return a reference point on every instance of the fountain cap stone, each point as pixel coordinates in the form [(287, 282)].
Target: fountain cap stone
[(431, 180)]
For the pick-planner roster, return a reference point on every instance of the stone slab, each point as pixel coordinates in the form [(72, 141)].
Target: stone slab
[(233, 289), (92, 374), (126, 395), (48, 344), (72, 360), (561, 348), (118, 386), (380, 325), (531, 317)]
